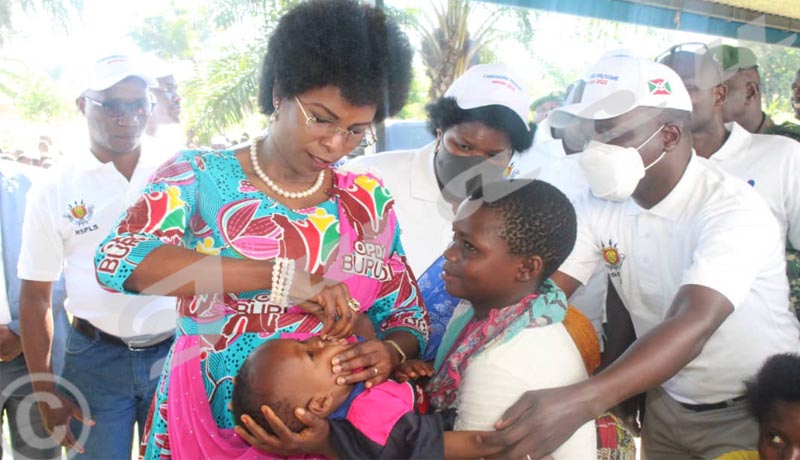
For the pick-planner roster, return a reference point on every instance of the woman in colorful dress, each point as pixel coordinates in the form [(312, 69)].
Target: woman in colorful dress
[(270, 239)]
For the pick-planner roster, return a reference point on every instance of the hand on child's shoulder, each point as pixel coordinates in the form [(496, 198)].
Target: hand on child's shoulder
[(413, 369)]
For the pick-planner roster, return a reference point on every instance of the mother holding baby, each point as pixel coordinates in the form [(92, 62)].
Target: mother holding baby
[(269, 238)]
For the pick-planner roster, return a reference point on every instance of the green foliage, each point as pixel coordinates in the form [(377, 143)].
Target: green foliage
[(460, 33), (777, 66), (222, 95), (59, 11), (38, 99), (224, 91), (169, 37), (417, 98), (12, 76)]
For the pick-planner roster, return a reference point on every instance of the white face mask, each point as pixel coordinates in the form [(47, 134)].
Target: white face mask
[(613, 172)]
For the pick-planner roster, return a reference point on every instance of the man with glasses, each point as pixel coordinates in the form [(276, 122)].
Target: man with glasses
[(770, 164), (117, 342)]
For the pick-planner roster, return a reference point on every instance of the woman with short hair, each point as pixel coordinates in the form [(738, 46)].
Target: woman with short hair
[(269, 238)]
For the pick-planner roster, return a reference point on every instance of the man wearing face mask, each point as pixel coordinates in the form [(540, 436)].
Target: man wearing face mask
[(481, 120), (697, 260)]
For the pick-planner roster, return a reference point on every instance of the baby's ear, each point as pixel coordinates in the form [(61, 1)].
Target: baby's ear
[(530, 268), (321, 405)]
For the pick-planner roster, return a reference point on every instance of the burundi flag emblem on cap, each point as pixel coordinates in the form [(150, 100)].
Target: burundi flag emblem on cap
[(659, 87)]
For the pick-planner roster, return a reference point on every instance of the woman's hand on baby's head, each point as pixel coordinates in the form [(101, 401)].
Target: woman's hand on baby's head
[(413, 369), (315, 437)]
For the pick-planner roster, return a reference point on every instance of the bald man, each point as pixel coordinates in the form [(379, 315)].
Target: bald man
[(770, 164), (743, 102)]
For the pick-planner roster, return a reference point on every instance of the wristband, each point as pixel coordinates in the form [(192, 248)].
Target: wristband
[(399, 350)]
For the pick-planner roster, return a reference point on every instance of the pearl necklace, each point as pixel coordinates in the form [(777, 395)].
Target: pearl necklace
[(275, 187)]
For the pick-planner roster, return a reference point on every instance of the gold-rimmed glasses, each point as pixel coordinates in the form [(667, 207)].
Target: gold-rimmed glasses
[(363, 137)]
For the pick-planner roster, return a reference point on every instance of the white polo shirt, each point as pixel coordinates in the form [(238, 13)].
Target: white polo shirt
[(711, 230), (70, 212), (771, 165), (426, 220)]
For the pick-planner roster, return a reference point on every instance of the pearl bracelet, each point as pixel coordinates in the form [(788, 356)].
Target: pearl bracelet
[(274, 296), (282, 277)]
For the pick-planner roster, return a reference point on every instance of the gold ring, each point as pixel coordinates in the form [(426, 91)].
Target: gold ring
[(354, 305), (375, 371)]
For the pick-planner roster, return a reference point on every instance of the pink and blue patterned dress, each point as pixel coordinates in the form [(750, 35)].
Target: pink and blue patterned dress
[(204, 202)]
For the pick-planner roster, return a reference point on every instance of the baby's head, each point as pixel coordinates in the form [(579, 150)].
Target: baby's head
[(774, 399), (285, 374), (508, 237)]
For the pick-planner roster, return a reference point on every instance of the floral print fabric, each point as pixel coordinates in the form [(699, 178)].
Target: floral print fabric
[(204, 202)]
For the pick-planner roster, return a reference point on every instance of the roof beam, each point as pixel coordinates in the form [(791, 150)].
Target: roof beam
[(699, 16)]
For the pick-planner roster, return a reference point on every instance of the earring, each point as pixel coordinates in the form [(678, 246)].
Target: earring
[(274, 115)]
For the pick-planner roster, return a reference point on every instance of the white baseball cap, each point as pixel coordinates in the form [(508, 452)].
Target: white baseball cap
[(156, 66), (111, 70), (491, 84), (619, 83)]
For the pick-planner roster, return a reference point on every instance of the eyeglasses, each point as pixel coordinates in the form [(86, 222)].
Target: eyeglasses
[(698, 48), (321, 127), (117, 108)]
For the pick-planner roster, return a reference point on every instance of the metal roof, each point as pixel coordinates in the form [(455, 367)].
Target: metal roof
[(768, 21)]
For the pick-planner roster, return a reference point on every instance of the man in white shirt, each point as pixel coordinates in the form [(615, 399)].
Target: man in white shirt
[(117, 343), (768, 163), (697, 260)]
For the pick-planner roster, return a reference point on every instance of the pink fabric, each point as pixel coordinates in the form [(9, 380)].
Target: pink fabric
[(192, 431), (376, 411), (362, 288)]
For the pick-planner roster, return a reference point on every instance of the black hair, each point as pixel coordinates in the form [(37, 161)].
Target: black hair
[(343, 43), (537, 219), (675, 116), (778, 380), (250, 393), (445, 112)]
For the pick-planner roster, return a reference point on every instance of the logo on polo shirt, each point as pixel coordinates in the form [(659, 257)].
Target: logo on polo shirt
[(80, 214), (659, 87), (613, 258)]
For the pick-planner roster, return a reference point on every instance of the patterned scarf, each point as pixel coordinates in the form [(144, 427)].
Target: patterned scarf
[(467, 337)]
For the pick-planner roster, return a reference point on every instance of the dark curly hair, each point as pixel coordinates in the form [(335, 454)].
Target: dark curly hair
[(537, 219), (445, 112), (778, 380), (343, 43), (252, 390)]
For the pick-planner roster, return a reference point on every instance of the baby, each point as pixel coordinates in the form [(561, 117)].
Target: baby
[(380, 422)]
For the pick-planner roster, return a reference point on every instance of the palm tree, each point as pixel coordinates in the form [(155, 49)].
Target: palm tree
[(449, 47), (59, 11), (224, 91)]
